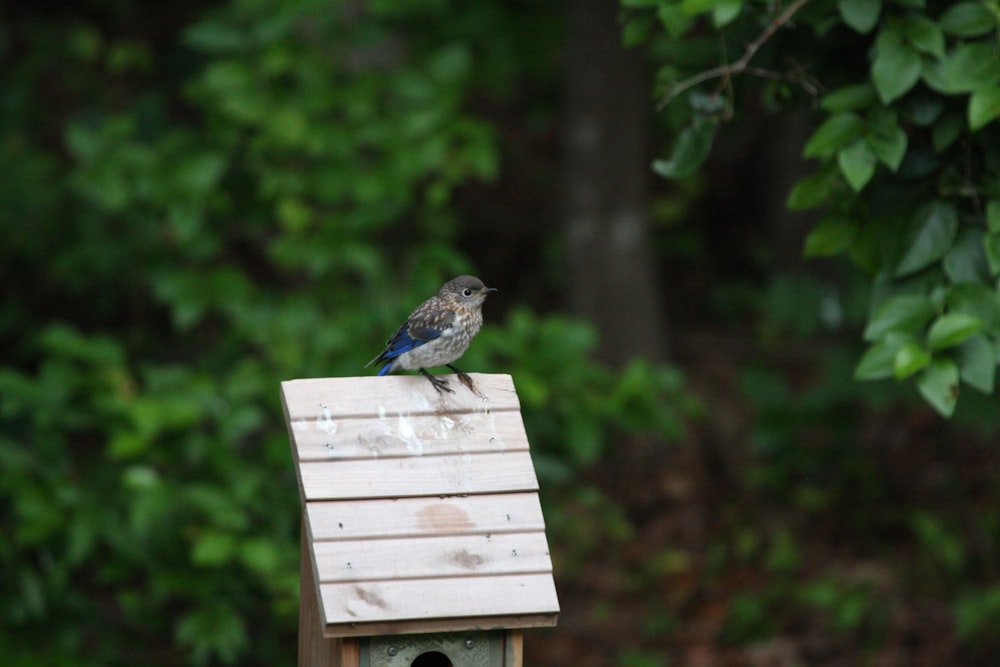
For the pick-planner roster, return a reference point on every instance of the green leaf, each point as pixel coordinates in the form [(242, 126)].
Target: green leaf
[(887, 139), (66, 341), (849, 98), (938, 384), (869, 248), (831, 236), (85, 42), (695, 7), (967, 68), (993, 215), (978, 299), (725, 12), (261, 556), (690, 150), (905, 313), (636, 30), (838, 131), (946, 130), (977, 363), (932, 231), (976, 612), (923, 108), (199, 173), (141, 477), (674, 20), (862, 15), (216, 632), (814, 190), (952, 329), (909, 359), (939, 541), (968, 19), (857, 164), (991, 244), (215, 37), (966, 261), (896, 67), (449, 63), (213, 548), (878, 362), (924, 34), (984, 106)]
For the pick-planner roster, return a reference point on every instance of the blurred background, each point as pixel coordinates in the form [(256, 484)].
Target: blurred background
[(199, 200)]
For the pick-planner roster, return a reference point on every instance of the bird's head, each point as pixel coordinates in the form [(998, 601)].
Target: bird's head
[(468, 291)]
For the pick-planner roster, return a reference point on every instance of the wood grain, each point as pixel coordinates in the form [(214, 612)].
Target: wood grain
[(491, 472), (402, 435), (432, 557), (355, 609), (406, 517), (370, 396)]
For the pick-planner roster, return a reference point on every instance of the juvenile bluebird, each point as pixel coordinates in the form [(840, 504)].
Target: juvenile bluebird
[(438, 332)]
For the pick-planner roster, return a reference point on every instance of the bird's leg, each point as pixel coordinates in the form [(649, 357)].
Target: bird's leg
[(439, 383), (465, 378)]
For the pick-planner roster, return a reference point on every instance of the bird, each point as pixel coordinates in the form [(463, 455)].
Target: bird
[(438, 332)]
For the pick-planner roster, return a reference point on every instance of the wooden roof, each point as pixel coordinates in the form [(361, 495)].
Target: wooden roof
[(421, 509)]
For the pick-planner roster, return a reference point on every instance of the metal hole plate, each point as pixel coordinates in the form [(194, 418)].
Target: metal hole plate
[(464, 649)]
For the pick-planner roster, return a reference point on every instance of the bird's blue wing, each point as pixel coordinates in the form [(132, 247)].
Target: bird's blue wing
[(403, 341), (400, 342), (423, 326)]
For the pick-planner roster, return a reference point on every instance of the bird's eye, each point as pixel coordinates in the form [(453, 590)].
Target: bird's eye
[(467, 292)]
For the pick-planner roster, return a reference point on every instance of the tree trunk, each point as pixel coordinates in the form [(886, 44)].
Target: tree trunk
[(611, 277)]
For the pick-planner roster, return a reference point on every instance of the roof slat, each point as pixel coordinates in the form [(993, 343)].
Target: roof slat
[(432, 557), (371, 396), (493, 472), (408, 435), (407, 517), (351, 606)]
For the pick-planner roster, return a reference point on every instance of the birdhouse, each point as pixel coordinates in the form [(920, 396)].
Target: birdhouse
[(423, 542)]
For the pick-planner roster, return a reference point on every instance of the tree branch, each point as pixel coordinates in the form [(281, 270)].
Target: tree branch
[(739, 66)]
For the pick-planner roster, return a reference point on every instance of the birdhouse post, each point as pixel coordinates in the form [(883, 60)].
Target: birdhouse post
[(423, 542)]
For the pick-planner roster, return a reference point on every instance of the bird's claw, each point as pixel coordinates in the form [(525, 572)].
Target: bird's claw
[(440, 384), (466, 379)]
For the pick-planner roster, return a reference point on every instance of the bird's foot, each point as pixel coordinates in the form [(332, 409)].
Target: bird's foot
[(465, 379), (439, 383)]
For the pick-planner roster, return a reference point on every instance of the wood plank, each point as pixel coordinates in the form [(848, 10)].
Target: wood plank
[(315, 650), (350, 605), (329, 398), (513, 655), (435, 556), (348, 652), (401, 434), (492, 472), (475, 624), (408, 517)]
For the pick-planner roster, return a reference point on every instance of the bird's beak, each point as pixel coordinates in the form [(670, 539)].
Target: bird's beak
[(490, 289)]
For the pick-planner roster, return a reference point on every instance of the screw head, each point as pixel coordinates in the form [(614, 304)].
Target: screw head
[(469, 643), (391, 650)]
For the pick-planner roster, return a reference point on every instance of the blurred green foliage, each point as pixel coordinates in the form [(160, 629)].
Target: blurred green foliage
[(200, 201), (254, 192), (906, 97), (849, 469), (905, 172)]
